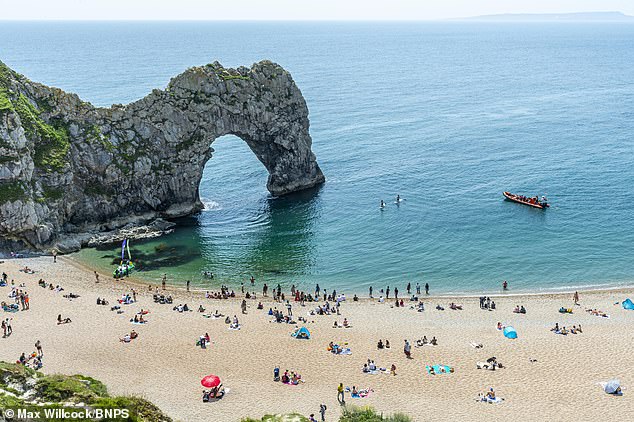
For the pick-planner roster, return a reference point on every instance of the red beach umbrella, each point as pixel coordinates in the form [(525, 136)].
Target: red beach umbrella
[(210, 381)]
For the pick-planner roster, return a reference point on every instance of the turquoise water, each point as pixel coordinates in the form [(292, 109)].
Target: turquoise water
[(446, 115)]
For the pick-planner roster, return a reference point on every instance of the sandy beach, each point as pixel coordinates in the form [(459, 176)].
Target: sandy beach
[(164, 365)]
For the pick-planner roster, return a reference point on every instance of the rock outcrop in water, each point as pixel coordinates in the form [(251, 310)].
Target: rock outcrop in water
[(69, 170)]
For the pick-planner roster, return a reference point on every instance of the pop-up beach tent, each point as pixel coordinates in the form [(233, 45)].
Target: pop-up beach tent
[(509, 332), (302, 333), (628, 304)]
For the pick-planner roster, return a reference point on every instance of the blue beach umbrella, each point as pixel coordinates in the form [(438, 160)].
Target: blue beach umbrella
[(509, 332)]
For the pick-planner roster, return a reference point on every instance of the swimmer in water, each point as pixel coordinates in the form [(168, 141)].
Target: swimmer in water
[(398, 198), (382, 204)]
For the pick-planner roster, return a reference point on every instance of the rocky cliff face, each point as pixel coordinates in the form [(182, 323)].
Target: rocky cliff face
[(68, 168)]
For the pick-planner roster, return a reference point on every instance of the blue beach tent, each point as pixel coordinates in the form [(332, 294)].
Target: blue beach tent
[(509, 332), (628, 304), (302, 333)]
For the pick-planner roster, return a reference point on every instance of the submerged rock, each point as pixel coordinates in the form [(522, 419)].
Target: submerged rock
[(68, 169)]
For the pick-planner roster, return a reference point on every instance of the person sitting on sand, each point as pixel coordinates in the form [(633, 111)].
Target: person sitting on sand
[(387, 344), (380, 345), (285, 378), (345, 323), (491, 394), (365, 369), (433, 341), (62, 321), (126, 338), (555, 328), (260, 306), (133, 334), (335, 325), (393, 369), (564, 331), (500, 326), (200, 308)]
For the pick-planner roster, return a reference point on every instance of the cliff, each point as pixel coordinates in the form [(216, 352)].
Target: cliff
[(69, 169)]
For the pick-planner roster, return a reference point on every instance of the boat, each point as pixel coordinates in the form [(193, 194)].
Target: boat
[(126, 266), (531, 202)]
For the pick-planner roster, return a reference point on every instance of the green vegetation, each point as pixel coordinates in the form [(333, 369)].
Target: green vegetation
[(292, 417), (53, 145), (6, 159), (5, 101), (368, 414), (11, 191), (350, 414), (58, 389), (52, 193), (94, 188)]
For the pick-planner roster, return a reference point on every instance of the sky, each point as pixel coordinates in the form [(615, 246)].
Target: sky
[(291, 9)]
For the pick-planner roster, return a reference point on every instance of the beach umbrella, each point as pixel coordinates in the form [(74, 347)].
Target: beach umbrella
[(611, 386), (509, 332), (210, 381)]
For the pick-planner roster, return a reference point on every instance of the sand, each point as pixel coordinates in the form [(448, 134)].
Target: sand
[(164, 365)]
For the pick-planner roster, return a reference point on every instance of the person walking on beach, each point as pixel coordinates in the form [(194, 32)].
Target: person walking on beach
[(244, 306), (407, 349), (54, 256), (8, 329), (38, 347), (289, 308), (370, 292), (409, 287), (322, 412), (96, 277), (417, 288), (426, 288), (396, 292), (340, 395), (575, 298)]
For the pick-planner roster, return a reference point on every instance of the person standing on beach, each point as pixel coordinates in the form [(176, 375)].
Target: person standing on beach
[(289, 307), (164, 280), (396, 292), (409, 287), (387, 292), (370, 292), (265, 290), (38, 347), (317, 290), (426, 288), (322, 411), (96, 277), (188, 282), (252, 281), (54, 256), (244, 306), (340, 394), (407, 349), (417, 288), (575, 298), (505, 285)]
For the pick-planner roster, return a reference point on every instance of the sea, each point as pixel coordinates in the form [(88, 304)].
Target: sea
[(448, 115)]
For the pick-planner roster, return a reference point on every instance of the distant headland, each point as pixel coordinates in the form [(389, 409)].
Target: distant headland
[(553, 17)]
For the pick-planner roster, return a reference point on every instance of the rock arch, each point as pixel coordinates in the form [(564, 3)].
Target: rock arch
[(71, 168)]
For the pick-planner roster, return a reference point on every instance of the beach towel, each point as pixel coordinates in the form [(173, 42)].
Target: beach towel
[(343, 352), (139, 323), (476, 345), (438, 369), (235, 328)]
